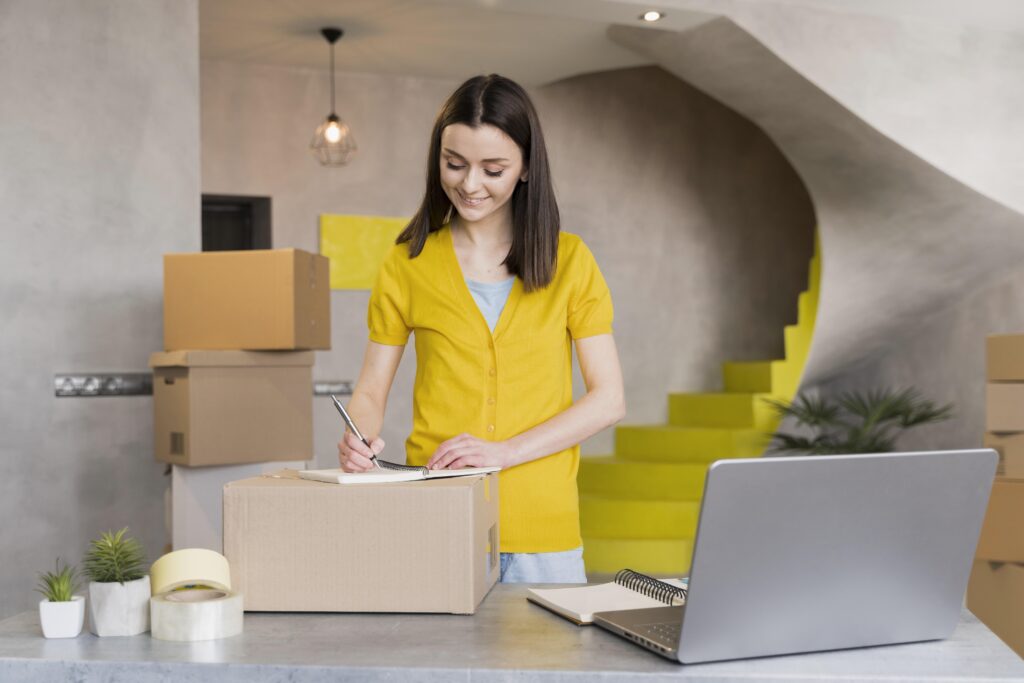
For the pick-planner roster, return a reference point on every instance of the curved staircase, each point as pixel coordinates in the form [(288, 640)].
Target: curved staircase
[(639, 507)]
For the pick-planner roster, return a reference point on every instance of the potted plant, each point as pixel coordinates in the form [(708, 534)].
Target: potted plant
[(61, 612), (855, 422), (119, 586)]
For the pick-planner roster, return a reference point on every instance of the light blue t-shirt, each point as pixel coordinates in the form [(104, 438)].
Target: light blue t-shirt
[(491, 298)]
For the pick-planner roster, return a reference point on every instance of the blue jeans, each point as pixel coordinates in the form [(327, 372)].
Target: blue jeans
[(560, 567)]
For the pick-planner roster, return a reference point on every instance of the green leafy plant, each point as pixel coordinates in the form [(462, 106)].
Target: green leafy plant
[(59, 585), (114, 557), (855, 422)]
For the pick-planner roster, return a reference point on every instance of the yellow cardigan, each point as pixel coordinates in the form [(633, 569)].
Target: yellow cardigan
[(495, 386)]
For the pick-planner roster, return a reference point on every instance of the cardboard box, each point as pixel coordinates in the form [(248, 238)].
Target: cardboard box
[(227, 407), (304, 546), (1004, 407), (1010, 447), (1004, 358), (273, 299), (196, 503), (995, 594), (1002, 533)]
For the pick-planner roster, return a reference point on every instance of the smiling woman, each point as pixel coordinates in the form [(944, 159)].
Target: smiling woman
[(497, 296)]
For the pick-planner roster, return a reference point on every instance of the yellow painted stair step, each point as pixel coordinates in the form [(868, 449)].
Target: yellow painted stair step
[(667, 443), (739, 410), (656, 557), (757, 376), (619, 518), (814, 270), (797, 342), (807, 309), (613, 477)]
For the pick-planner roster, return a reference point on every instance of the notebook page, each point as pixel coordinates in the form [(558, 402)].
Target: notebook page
[(339, 476), (462, 472), (579, 603)]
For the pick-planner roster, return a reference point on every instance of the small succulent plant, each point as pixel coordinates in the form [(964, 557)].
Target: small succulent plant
[(59, 585), (114, 557)]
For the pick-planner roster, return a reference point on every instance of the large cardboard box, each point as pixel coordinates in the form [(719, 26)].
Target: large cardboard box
[(1004, 407), (1002, 533), (1004, 358), (273, 299), (227, 407), (995, 594), (1010, 447), (305, 546)]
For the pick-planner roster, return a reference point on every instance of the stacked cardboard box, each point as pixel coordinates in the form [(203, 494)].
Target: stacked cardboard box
[(234, 384), (996, 590)]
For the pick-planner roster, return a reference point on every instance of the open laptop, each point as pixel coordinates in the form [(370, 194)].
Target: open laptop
[(802, 554)]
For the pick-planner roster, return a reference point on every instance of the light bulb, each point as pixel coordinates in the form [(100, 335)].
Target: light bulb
[(651, 15), (332, 132)]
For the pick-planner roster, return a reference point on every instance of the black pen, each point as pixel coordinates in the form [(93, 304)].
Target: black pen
[(355, 430)]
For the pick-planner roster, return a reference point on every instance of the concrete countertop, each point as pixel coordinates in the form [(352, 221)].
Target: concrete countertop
[(508, 639)]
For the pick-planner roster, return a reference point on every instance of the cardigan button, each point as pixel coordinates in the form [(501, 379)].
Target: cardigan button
[(490, 428), (492, 372), (490, 401)]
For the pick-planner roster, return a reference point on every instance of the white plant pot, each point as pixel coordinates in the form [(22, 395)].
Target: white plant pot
[(62, 619), (117, 609)]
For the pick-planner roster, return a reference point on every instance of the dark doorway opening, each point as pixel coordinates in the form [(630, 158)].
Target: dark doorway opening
[(235, 223)]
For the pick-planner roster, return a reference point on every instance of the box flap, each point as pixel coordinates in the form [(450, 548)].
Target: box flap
[(209, 358), (216, 254)]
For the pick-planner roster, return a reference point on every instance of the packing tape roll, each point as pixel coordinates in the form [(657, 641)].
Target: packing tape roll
[(190, 567), (195, 614)]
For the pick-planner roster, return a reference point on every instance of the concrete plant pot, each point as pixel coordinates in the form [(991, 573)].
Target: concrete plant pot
[(117, 609), (62, 619)]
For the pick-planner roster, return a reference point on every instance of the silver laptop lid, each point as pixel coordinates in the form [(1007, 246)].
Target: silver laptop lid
[(798, 554)]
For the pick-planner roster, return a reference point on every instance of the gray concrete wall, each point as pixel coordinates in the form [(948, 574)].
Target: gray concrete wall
[(900, 238), (919, 264), (99, 175), (701, 227), (949, 92), (942, 82), (943, 356)]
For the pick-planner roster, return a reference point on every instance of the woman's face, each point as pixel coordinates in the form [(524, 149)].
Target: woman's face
[(480, 168)]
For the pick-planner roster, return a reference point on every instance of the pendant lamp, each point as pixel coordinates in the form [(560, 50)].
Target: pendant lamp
[(333, 143)]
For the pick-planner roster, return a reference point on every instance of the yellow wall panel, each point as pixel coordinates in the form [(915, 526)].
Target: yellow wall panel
[(356, 245)]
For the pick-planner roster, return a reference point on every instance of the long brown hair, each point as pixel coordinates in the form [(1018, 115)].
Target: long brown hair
[(497, 101)]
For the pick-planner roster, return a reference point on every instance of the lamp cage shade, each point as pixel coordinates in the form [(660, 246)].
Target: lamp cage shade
[(333, 143)]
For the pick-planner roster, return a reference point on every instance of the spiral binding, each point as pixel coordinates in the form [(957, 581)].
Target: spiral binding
[(651, 587), (388, 465)]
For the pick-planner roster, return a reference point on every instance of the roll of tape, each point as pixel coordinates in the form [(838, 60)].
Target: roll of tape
[(195, 614), (190, 567)]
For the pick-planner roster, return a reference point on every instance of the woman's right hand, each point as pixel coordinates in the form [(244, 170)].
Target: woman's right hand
[(354, 456)]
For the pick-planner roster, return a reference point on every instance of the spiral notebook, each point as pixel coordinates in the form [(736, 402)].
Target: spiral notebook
[(629, 590), (390, 472)]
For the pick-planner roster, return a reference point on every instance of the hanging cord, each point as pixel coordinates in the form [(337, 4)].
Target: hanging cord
[(332, 79)]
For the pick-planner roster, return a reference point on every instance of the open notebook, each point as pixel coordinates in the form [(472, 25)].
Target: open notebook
[(629, 590), (382, 476)]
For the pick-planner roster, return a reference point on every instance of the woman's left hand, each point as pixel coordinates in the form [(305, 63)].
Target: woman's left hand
[(466, 450)]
